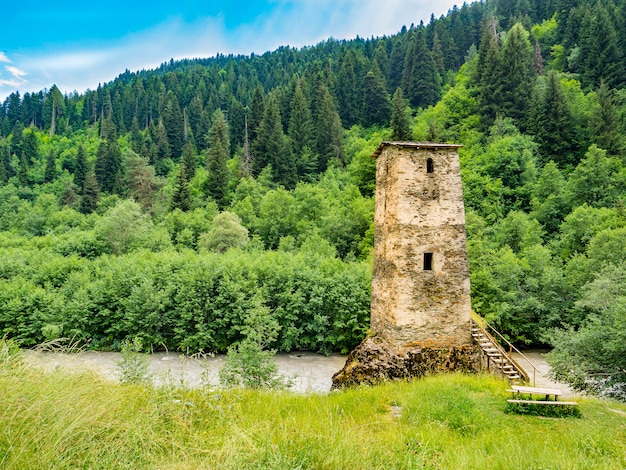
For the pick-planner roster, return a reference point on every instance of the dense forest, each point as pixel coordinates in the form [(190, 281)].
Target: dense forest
[(168, 204)]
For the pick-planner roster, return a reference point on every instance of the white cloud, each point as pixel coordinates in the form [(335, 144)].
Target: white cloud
[(17, 73), (11, 83), (4, 58)]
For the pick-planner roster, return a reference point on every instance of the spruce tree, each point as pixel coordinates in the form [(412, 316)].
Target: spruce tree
[(272, 147), (108, 169), (488, 76), (29, 146), (517, 75), (6, 170), (420, 79), (91, 194), (605, 126), (400, 123), (601, 55), (189, 159), (553, 126), (348, 90), (376, 103), (328, 130), (161, 151), (257, 109), (181, 198), (173, 123), (218, 145), (300, 129), (22, 171)]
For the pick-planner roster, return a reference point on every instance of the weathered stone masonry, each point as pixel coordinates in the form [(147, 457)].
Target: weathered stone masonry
[(420, 289)]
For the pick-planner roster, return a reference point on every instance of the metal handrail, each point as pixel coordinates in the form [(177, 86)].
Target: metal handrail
[(483, 323)]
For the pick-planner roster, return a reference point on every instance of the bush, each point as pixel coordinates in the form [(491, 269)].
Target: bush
[(249, 364)]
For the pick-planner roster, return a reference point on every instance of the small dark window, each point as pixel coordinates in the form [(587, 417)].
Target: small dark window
[(430, 167), (428, 261)]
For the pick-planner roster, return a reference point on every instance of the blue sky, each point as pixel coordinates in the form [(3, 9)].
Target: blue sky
[(77, 45)]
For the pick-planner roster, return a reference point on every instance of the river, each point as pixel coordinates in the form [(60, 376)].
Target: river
[(308, 371)]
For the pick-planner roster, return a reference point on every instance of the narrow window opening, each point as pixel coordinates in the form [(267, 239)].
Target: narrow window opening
[(430, 167), (428, 261)]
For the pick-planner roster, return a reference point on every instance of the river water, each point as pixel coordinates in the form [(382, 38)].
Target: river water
[(308, 371)]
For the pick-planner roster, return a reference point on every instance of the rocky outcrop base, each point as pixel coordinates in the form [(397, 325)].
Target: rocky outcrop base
[(375, 361)]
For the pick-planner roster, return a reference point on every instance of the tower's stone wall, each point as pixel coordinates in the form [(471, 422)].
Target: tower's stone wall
[(419, 213)]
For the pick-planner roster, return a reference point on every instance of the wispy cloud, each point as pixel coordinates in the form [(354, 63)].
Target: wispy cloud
[(17, 73), (3, 57), (11, 83)]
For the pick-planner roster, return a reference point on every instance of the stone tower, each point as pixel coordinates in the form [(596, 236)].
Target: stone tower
[(420, 287)]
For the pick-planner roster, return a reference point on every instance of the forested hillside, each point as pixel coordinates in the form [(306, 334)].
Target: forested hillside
[(170, 203)]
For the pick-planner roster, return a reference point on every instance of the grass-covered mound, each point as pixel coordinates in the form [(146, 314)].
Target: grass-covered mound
[(64, 420)]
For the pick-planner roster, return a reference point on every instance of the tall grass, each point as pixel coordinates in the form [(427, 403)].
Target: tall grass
[(63, 420)]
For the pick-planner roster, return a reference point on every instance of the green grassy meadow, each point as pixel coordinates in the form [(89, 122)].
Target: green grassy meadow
[(60, 420)]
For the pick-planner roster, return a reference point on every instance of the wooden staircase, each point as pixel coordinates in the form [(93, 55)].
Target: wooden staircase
[(494, 355)]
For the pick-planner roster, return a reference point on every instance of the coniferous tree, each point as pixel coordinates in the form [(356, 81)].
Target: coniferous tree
[(400, 123), (161, 151), (174, 126), (376, 103), (382, 59), (420, 79), (6, 170), (218, 145), (272, 147), (488, 76), (194, 115), (300, 129), (257, 108), (29, 146), (53, 109), (108, 169), (552, 125), (601, 57), (396, 60), (189, 159), (91, 194), (22, 171), (18, 136), (437, 51), (328, 130), (136, 139), (349, 95), (605, 129), (517, 75), (51, 168), (181, 198)]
